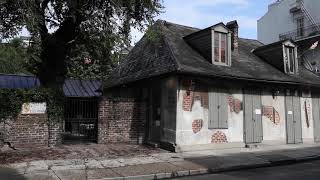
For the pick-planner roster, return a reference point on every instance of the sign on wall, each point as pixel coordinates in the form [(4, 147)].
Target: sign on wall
[(34, 108)]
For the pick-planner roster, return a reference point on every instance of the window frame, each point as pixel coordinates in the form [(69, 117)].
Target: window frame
[(287, 59), (300, 27), (227, 48)]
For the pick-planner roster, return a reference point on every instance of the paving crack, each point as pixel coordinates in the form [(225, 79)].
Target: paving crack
[(55, 174), (85, 162)]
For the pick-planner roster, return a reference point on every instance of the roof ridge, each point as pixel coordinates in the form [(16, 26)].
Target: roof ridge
[(194, 28), (175, 59)]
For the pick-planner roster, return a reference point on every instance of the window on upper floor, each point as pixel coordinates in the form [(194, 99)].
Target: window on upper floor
[(221, 48), (300, 27), (290, 61)]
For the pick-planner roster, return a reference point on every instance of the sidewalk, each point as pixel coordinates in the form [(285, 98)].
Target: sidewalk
[(161, 165)]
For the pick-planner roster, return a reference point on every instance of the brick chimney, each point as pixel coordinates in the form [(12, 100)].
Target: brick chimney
[(233, 26)]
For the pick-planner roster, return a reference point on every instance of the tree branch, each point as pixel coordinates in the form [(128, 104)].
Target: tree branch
[(40, 11)]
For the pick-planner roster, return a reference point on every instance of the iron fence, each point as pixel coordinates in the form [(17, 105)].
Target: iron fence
[(301, 33)]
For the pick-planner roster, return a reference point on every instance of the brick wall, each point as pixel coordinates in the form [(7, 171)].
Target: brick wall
[(30, 131), (26, 130), (121, 120), (54, 134)]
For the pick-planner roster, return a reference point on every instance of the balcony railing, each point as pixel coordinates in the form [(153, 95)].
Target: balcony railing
[(300, 33)]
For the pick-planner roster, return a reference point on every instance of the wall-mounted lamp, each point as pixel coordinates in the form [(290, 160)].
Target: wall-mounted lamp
[(275, 93)]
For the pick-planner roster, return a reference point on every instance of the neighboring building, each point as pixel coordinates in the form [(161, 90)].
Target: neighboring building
[(199, 89), (26, 40), (289, 19), (310, 57)]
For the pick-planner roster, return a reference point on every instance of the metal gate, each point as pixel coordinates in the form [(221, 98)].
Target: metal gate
[(81, 116)]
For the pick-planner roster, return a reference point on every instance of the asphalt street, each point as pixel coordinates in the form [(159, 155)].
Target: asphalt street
[(301, 171)]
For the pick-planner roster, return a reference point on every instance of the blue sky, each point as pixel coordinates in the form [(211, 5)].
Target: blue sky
[(204, 13)]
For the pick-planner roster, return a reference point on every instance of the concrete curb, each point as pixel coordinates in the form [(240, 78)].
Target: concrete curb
[(184, 173)]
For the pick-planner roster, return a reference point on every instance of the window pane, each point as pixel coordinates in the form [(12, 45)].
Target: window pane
[(300, 26), (223, 47), (216, 47), (286, 60), (291, 59)]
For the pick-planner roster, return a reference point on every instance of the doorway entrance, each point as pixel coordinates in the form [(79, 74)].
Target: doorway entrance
[(155, 115), (293, 117), (81, 117), (253, 132)]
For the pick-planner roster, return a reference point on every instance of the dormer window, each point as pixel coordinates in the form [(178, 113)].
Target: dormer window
[(221, 46), (290, 59), (214, 43), (282, 55)]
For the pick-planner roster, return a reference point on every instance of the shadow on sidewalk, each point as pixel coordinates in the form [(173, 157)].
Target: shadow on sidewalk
[(10, 174), (252, 158)]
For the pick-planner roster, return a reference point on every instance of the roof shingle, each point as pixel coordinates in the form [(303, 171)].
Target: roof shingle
[(173, 54)]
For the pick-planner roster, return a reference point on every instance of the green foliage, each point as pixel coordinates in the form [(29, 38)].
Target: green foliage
[(154, 35), (82, 29), (11, 102), (13, 57), (97, 28)]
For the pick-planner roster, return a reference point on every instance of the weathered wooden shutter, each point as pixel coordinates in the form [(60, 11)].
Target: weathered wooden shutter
[(218, 109), (297, 119), (213, 108), (316, 115), (223, 110)]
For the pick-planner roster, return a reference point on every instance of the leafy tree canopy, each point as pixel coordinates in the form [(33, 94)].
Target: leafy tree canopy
[(13, 57), (67, 32)]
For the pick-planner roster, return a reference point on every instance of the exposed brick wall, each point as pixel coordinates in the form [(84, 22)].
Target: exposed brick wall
[(234, 104), (272, 114), (197, 125), (26, 130), (219, 137), (187, 101), (121, 120), (54, 134)]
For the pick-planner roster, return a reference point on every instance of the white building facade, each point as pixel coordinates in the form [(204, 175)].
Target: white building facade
[(289, 19)]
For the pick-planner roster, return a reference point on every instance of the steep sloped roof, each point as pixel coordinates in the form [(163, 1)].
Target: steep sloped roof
[(173, 54), (71, 87)]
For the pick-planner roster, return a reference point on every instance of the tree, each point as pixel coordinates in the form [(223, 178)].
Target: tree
[(60, 28), (13, 57), (99, 25)]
